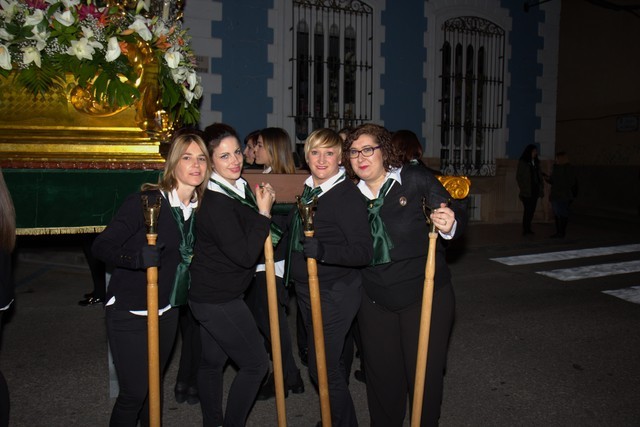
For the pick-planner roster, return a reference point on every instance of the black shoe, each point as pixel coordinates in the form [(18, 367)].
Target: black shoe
[(304, 356), (89, 295), (180, 391), (91, 301), (268, 388), (360, 376), (192, 396)]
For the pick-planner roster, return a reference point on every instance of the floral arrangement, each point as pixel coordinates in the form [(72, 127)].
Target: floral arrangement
[(43, 40)]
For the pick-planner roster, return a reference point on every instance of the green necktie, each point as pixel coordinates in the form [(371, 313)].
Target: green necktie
[(296, 235), (381, 241), (250, 201), (182, 280)]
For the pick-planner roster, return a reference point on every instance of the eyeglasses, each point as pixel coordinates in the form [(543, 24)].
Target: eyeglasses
[(366, 152)]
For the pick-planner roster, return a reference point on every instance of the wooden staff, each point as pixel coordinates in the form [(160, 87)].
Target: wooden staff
[(153, 346), (306, 212), (425, 328), (274, 323)]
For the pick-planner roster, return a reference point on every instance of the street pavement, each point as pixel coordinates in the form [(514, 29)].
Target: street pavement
[(526, 350)]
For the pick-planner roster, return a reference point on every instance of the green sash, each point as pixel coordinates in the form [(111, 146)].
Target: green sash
[(381, 241), (250, 201), (182, 281)]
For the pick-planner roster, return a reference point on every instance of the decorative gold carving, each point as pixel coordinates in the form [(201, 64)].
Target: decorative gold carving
[(307, 212), (457, 186), (54, 231)]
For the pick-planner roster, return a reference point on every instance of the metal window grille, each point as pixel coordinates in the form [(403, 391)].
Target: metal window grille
[(332, 64), (472, 95)]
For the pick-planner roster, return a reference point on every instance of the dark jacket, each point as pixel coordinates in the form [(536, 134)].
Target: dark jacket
[(341, 225), (399, 283), (230, 238), (119, 246)]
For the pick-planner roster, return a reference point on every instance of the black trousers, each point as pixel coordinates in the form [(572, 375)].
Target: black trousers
[(529, 204), (339, 301), (228, 330), (127, 334), (390, 344), (191, 349), (258, 303)]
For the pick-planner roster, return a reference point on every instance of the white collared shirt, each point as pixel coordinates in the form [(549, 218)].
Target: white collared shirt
[(237, 188), (329, 183)]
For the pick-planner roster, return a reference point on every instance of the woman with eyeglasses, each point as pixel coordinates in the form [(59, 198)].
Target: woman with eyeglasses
[(341, 245), (389, 315)]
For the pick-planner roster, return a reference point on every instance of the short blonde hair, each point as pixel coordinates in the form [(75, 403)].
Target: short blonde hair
[(322, 138)]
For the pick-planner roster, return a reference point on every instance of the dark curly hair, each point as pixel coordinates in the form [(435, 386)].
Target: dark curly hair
[(382, 137)]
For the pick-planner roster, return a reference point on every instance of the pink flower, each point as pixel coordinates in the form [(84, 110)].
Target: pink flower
[(37, 4), (86, 10)]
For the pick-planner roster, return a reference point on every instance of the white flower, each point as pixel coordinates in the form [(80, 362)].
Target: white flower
[(5, 35), (8, 9), (81, 49), (40, 37), (198, 90), (192, 79), (160, 29), (31, 54), (173, 58), (140, 27), (5, 57), (88, 34), (70, 3), (142, 4), (34, 19), (179, 74), (187, 94), (113, 50), (65, 18)]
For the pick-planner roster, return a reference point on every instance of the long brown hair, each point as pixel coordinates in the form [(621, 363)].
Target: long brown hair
[(7, 218), (278, 144), (179, 145)]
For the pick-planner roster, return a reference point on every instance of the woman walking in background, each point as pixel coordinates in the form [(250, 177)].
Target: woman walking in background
[(530, 183), (123, 245), (389, 316), (564, 188)]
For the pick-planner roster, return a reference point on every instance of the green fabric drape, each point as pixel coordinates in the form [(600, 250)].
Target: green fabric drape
[(250, 201), (382, 243), (182, 280)]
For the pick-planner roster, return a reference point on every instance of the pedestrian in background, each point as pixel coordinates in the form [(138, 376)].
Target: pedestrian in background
[(529, 179)]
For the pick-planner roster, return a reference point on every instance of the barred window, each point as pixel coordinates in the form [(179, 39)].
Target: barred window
[(331, 61), (471, 102)]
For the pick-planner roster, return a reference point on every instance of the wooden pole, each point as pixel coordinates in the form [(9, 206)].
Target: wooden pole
[(274, 324), (425, 328), (318, 338), (153, 340)]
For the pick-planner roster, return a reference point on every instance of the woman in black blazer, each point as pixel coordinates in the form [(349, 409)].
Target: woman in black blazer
[(123, 246), (232, 225), (389, 316), (341, 245)]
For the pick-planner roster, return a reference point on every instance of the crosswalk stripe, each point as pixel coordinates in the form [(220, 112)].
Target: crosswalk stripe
[(565, 255), (592, 271), (631, 294)]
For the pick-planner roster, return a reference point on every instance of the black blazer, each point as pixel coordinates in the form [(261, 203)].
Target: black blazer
[(229, 241), (400, 282), (341, 225), (119, 244)]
